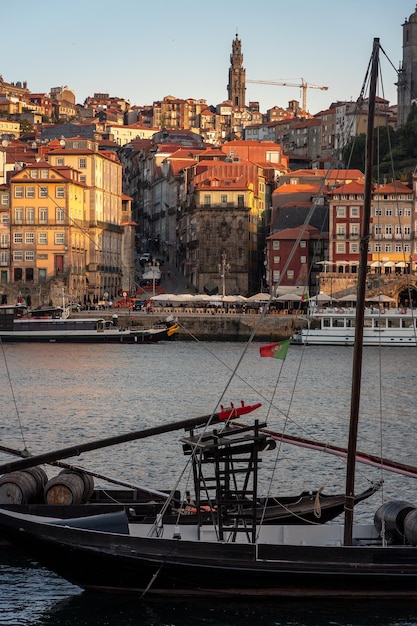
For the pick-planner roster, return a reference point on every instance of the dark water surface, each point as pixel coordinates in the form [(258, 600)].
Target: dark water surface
[(54, 396)]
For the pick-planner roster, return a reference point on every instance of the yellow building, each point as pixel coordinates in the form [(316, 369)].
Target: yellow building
[(101, 172), (48, 227)]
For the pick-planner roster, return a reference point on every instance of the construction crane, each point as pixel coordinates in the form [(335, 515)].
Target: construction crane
[(302, 85)]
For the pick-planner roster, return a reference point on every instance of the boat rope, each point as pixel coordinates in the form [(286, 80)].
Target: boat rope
[(25, 451)]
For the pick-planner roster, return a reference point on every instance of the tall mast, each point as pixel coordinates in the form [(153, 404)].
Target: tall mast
[(360, 305)]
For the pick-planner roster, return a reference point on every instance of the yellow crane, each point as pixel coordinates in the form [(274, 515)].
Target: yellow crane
[(302, 85)]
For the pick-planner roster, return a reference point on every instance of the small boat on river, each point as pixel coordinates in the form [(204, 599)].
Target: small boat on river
[(53, 324), (335, 326)]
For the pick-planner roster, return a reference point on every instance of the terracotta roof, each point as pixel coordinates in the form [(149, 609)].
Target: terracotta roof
[(288, 188), (292, 233)]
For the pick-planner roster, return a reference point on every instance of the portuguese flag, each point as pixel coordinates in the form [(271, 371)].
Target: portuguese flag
[(277, 350)]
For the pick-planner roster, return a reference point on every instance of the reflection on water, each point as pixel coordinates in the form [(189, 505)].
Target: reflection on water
[(59, 395)]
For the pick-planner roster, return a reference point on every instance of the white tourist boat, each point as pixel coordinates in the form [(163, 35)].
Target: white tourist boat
[(334, 326)]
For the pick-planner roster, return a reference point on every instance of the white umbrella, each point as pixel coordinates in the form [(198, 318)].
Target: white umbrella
[(163, 297), (389, 264), (381, 298), (289, 297), (321, 297), (401, 264), (352, 297), (376, 264), (259, 297)]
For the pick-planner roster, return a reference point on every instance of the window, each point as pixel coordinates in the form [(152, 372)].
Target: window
[(5, 199), (378, 247), (4, 240), (18, 191), (340, 211), (398, 247), (303, 244), (207, 200), (29, 274), (275, 244), (354, 230), (354, 211), (29, 255), (17, 255), (399, 212), (82, 163), (388, 247), (34, 173), (17, 274), (42, 275), (378, 212), (60, 192), (354, 248), (240, 201), (60, 161), (59, 238), (43, 215), (340, 248), (341, 230), (30, 191), (18, 215), (290, 274), (42, 238), (43, 192), (277, 260), (44, 174), (60, 215), (29, 237), (223, 199), (30, 215), (4, 258), (276, 274), (388, 212), (17, 237)]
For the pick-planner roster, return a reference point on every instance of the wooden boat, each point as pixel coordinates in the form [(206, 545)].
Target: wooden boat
[(335, 326), (238, 556), (53, 324)]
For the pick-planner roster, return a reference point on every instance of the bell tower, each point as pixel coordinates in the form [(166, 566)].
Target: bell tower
[(407, 74), (237, 75)]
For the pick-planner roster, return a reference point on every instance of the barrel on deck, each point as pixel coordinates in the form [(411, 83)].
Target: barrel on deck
[(24, 487), (410, 527), (69, 487), (390, 518)]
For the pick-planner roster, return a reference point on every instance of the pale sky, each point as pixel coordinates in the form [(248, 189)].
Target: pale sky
[(143, 50)]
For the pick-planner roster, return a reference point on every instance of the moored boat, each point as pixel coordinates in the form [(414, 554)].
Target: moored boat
[(335, 326), (53, 324)]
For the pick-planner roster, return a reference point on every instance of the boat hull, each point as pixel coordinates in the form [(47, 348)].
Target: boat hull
[(105, 561)]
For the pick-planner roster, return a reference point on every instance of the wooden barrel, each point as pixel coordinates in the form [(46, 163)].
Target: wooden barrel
[(390, 517), (69, 487), (24, 487)]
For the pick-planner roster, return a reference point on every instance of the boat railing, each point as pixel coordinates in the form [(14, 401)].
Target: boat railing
[(341, 310)]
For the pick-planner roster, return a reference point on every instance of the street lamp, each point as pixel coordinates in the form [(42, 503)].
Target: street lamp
[(224, 268)]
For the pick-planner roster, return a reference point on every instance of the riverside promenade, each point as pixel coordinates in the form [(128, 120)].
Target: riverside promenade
[(200, 324)]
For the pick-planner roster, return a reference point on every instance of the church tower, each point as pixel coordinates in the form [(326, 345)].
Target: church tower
[(237, 75), (407, 75)]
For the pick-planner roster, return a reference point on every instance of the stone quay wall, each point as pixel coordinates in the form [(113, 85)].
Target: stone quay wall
[(216, 327)]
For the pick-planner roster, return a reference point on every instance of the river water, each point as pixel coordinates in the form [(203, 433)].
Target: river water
[(53, 396)]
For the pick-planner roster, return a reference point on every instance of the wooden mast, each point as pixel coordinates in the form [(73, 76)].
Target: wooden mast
[(360, 305)]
